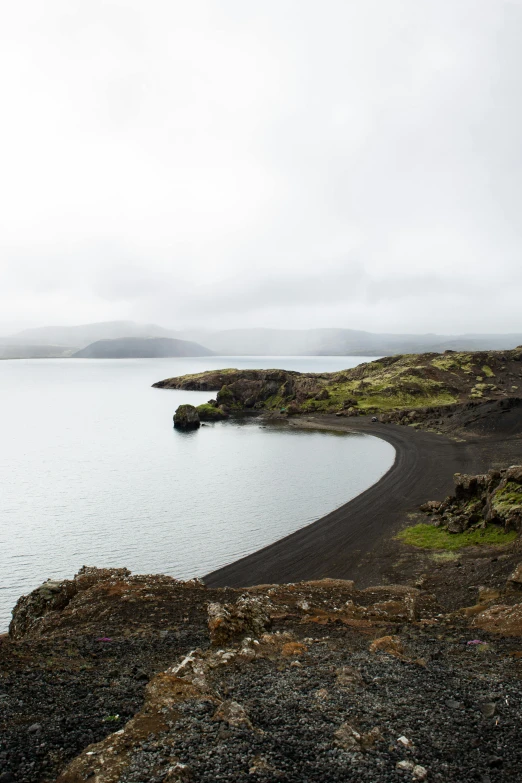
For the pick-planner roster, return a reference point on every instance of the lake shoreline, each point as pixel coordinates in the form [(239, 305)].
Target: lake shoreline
[(356, 540)]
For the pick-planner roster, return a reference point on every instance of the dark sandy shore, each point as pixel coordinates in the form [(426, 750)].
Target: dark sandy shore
[(337, 545)]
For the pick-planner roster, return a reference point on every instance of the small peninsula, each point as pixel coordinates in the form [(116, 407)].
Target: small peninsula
[(387, 386)]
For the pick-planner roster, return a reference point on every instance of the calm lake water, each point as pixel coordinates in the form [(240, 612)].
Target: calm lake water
[(94, 473)]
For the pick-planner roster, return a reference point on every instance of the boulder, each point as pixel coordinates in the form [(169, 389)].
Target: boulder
[(514, 473), (249, 616), (468, 486), (186, 418), (456, 524), (431, 507)]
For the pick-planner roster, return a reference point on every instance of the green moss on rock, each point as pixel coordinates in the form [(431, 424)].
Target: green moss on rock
[(507, 498), (209, 412)]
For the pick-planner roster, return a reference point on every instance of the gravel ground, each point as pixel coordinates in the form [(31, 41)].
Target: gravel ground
[(460, 710), (316, 702), (57, 698)]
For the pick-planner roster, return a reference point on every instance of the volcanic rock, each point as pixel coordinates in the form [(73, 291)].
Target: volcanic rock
[(186, 418)]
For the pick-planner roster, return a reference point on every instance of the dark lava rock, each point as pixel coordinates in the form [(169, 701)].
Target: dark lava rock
[(186, 418)]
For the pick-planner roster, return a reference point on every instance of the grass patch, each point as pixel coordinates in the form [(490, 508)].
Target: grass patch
[(488, 372), (431, 537)]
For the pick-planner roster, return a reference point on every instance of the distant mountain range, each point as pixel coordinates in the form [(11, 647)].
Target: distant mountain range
[(20, 351), (341, 342), (71, 340), (80, 336)]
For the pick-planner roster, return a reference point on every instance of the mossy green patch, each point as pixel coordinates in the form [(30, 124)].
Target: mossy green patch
[(274, 402), (208, 412), (431, 537), (508, 498), (453, 362), (445, 363), (488, 372)]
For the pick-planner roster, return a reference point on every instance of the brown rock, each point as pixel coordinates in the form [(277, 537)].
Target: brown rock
[(431, 507), (348, 738), (234, 714), (248, 617), (501, 619), (291, 649), (488, 594), (391, 645), (54, 596)]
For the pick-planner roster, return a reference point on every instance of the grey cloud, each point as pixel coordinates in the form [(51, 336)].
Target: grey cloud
[(207, 164)]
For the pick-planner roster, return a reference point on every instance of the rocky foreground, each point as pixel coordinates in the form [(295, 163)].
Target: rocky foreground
[(113, 678)]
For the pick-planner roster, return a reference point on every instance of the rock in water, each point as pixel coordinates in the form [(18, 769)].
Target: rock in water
[(186, 418)]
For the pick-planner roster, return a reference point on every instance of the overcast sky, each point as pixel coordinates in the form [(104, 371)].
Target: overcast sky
[(284, 163)]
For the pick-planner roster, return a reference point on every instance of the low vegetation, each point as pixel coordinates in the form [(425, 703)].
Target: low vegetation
[(208, 412), (428, 536)]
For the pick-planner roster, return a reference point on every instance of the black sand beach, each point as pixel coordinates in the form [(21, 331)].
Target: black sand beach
[(338, 544)]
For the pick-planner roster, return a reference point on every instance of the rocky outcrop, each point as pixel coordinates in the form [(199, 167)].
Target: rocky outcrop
[(54, 596), (494, 497), (186, 418), (418, 387), (145, 678), (501, 619)]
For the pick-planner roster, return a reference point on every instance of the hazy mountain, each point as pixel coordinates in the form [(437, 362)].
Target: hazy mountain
[(64, 340), (80, 336), (143, 348), (341, 342), (33, 351)]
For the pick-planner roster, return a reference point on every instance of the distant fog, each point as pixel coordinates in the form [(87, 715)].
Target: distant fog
[(293, 165)]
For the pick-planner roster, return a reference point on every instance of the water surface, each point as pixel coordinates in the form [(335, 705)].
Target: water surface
[(94, 473)]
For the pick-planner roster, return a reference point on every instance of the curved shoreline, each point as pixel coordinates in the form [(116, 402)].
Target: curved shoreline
[(335, 545)]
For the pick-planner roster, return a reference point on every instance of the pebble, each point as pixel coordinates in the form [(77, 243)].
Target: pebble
[(488, 709)]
